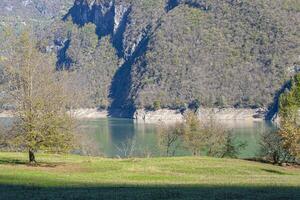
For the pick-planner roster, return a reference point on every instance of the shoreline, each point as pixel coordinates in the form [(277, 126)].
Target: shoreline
[(92, 113), (6, 114), (224, 114), (171, 116), (78, 113)]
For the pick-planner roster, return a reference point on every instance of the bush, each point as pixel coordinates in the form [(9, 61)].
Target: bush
[(195, 105), (211, 137), (231, 148), (272, 149), (156, 105)]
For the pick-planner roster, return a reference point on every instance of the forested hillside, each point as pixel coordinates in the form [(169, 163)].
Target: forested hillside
[(26, 12), (131, 54), (226, 53)]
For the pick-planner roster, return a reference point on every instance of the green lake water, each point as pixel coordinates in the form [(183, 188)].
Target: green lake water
[(115, 137)]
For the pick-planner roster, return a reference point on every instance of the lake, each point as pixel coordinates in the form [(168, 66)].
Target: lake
[(118, 137)]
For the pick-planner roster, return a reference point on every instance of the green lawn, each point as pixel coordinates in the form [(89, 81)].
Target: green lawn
[(75, 177)]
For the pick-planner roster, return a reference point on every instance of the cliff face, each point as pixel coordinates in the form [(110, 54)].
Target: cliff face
[(109, 17), (127, 21), (106, 15)]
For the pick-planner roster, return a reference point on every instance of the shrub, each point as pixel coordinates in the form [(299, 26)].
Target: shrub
[(156, 105)]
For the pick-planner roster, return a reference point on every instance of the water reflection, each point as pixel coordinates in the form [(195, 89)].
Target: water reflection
[(251, 133), (111, 136), (121, 130)]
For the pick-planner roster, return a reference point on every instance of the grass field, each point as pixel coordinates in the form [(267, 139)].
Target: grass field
[(75, 177)]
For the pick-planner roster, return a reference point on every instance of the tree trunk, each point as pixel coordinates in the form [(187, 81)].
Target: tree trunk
[(31, 156), (168, 151), (194, 152)]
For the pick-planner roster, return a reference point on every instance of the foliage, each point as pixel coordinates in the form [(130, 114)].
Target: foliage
[(96, 62), (195, 105), (290, 138), (235, 54), (156, 105), (272, 148), (100, 73), (210, 138), (41, 118), (289, 105), (283, 145), (289, 102), (194, 134), (230, 148)]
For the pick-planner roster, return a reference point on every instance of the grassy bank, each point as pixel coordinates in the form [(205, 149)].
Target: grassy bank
[(75, 177)]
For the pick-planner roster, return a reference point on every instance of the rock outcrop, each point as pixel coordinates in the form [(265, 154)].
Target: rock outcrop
[(159, 116), (173, 116), (107, 15), (89, 114)]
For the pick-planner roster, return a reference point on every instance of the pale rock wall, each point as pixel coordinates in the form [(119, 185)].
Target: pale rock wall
[(89, 114), (173, 116)]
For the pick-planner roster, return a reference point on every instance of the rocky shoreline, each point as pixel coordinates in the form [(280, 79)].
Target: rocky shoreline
[(6, 114), (171, 116), (90, 113), (78, 113)]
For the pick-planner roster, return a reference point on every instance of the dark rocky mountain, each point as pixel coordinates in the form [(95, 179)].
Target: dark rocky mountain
[(132, 53)]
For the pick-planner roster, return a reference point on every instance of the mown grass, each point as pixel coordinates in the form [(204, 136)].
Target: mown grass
[(75, 177)]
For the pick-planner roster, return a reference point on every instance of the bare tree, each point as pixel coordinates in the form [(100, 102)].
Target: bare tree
[(170, 137), (127, 148)]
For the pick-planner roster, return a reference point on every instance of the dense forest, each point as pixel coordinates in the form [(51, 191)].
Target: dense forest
[(131, 54)]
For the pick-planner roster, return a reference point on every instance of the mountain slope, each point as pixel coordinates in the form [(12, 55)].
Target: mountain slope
[(132, 53), (233, 54)]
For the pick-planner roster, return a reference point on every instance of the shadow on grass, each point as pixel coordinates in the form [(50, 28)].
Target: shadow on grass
[(273, 171), (10, 161), (260, 160), (148, 192)]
